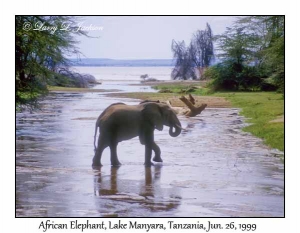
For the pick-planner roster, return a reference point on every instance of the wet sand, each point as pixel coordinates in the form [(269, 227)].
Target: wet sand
[(212, 169)]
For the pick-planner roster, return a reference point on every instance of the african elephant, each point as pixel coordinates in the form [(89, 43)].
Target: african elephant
[(120, 122)]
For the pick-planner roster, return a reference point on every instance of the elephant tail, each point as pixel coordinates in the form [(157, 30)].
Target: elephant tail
[(96, 128)]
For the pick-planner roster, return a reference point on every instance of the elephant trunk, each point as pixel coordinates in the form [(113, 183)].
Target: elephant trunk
[(177, 130)]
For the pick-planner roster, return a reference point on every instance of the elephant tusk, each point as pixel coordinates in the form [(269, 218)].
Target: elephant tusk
[(178, 126), (184, 129)]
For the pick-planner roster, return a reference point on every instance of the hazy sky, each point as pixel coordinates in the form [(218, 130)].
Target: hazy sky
[(143, 37)]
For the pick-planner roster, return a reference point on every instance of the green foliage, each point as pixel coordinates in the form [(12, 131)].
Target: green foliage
[(220, 76), (236, 45), (182, 89), (252, 53), (270, 52), (60, 80), (231, 76), (40, 52), (274, 62), (27, 94)]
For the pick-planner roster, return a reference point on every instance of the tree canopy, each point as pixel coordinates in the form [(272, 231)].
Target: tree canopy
[(40, 52), (252, 55)]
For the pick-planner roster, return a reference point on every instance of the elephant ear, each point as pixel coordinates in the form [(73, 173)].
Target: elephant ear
[(152, 114)]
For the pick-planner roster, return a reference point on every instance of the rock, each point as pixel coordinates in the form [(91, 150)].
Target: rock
[(89, 78)]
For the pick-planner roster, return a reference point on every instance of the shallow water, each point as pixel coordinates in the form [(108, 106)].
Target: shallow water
[(212, 169)]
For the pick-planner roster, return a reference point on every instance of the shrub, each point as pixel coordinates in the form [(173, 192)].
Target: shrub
[(231, 76), (268, 87), (146, 78), (222, 77), (67, 78)]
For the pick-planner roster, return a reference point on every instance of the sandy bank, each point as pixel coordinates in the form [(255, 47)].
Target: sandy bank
[(211, 101)]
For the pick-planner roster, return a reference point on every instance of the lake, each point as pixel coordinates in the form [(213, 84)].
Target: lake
[(126, 73)]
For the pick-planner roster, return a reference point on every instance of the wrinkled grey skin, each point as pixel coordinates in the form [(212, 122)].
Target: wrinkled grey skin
[(121, 122)]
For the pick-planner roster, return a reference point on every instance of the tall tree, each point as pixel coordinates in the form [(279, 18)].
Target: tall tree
[(202, 49), (273, 54), (39, 52), (237, 46), (252, 53), (184, 68), (269, 31), (198, 55)]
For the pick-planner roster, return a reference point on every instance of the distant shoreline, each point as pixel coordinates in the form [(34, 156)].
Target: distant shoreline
[(84, 65), (103, 62), (122, 63)]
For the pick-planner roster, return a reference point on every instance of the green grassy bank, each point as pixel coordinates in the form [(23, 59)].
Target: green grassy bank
[(265, 111)]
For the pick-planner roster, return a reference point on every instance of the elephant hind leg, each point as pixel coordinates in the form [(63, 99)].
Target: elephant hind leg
[(156, 149), (97, 157), (98, 154)]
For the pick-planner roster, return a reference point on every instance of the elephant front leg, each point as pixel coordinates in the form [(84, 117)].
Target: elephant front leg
[(157, 152), (148, 152), (149, 140), (113, 155)]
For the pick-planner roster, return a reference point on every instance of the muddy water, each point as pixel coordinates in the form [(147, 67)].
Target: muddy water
[(212, 169)]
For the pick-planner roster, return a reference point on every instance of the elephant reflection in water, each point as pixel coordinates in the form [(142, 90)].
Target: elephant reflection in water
[(150, 193), (101, 186), (147, 190), (105, 188)]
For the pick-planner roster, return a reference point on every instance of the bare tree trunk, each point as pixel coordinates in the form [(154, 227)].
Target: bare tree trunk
[(194, 111)]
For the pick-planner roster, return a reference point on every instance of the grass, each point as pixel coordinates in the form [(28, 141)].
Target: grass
[(182, 89), (58, 88), (259, 107)]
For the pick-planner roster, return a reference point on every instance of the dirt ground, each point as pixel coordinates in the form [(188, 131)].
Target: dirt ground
[(278, 120), (211, 101)]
